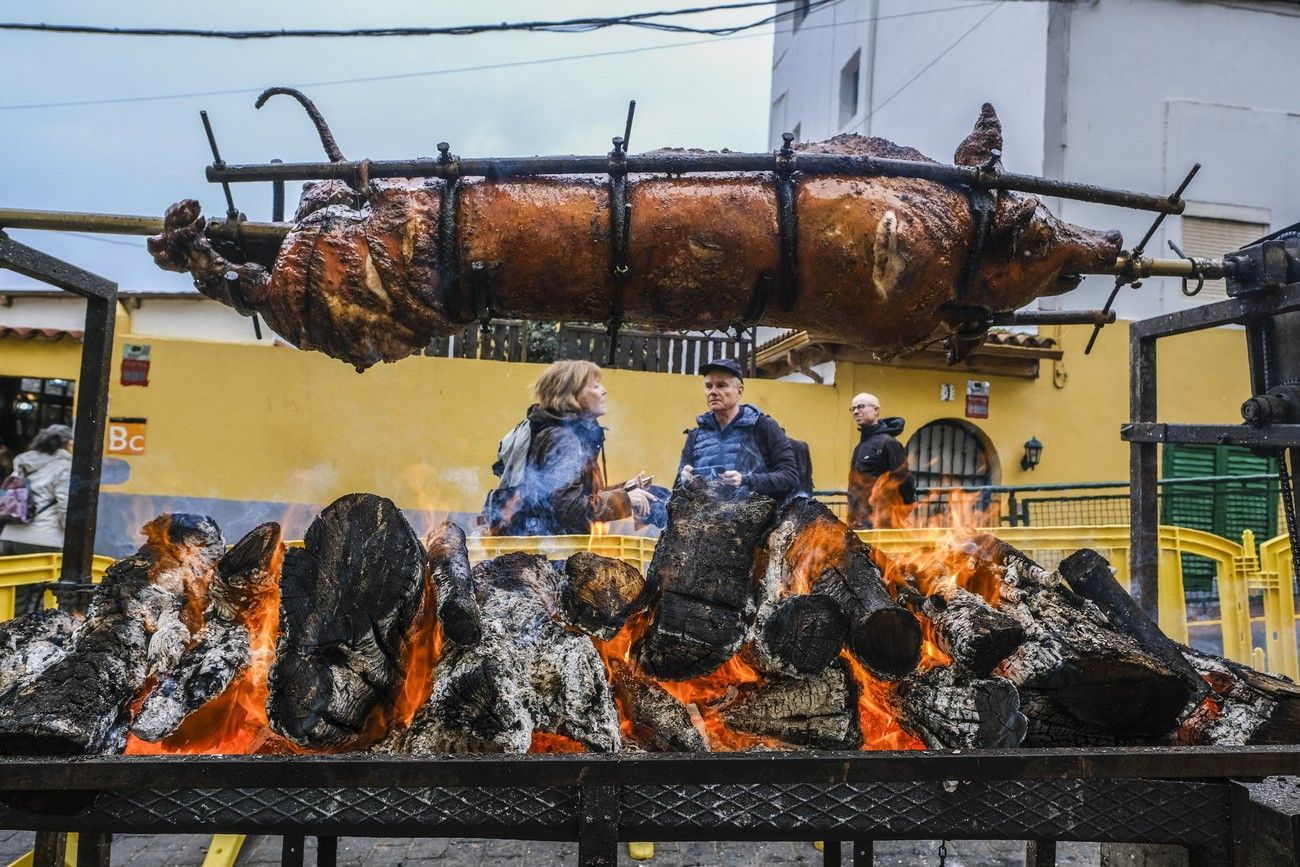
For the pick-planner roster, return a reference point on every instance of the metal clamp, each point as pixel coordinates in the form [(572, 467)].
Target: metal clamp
[(1196, 271), (620, 227), (448, 253), (787, 227)]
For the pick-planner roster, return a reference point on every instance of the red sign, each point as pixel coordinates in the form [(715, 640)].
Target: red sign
[(977, 399), (135, 364)]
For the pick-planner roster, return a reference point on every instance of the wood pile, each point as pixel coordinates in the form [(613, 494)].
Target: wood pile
[(755, 626)]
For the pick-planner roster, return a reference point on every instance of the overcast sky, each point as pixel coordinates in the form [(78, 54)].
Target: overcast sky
[(123, 150)]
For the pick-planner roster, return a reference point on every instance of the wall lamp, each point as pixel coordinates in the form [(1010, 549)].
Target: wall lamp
[(1033, 454)]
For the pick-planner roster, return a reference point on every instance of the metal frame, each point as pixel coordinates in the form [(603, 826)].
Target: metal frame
[(1144, 433), (1188, 796), (92, 397)]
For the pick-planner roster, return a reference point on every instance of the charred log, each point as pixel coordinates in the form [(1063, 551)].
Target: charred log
[(819, 712), (701, 573), (803, 634), (1246, 706), (238, 596), (601, 593), (1102, 677), (32, 642), (660, 723), (1052, 725), (448, 562), (948, 709), (1090, 576), (347, 602), (527, 674), (975, 634), (135, 627)]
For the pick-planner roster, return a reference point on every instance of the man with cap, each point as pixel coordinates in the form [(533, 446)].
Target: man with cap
[(878, 475), (736, 442)]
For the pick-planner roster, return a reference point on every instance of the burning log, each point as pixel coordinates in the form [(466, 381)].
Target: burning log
[(33, 642), (221, 650), (947, 709), (448, 563), (370, 274), (882, 635), (528, 673), (798, 634), (660, 723), (1101, 676), (1247, 706), (1052, 725), (136, 626), (348, 600), (819, 712), (701, 575), (601, 593), (975, 634)]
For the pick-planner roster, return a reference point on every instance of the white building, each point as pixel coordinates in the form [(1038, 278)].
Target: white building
[(1119, 93)]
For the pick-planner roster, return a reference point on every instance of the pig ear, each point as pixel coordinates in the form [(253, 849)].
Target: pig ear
[(1012, 218), (984, 142)]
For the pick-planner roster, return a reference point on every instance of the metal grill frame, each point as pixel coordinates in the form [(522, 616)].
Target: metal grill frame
[(1187, 796)]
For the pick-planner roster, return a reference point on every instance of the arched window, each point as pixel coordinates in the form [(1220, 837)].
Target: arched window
[(949, 453)]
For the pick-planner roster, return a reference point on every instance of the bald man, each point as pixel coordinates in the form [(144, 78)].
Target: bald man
[(879, 480)]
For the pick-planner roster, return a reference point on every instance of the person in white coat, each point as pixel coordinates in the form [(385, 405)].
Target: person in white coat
[(47, 466)]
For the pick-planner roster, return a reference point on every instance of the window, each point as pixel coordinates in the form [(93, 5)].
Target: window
[(800, 12), (28, 404), (1223, 508), (850, 78), (1210, 236), (949, 454)]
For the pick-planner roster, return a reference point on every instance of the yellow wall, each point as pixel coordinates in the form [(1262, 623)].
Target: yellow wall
[(241, 422)]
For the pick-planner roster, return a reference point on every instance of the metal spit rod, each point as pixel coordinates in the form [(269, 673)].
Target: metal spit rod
[(128, 224), (685, 163)]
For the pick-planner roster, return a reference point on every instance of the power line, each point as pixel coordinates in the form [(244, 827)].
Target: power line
[(644, 20), (928, 66), (478, 68)]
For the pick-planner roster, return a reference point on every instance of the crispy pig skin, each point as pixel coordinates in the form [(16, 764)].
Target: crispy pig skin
[(879, 262)]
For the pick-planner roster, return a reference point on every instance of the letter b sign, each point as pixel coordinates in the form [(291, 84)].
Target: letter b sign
[(125, 436)]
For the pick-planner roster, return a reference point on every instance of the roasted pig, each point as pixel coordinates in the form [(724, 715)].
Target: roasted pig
[(880, 263)]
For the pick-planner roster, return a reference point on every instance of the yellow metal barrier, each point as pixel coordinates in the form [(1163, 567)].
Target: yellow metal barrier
[(1276, 579), (26, 569)]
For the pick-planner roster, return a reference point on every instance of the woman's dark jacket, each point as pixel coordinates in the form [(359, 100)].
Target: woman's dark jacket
[(752, 444), (562, 489)]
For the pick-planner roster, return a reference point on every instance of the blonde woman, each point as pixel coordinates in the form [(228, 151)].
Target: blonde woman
[(563, 488)]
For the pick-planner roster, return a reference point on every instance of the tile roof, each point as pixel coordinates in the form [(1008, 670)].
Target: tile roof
[(50, 334)]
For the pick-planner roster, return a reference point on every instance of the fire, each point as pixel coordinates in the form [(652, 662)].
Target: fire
[(235, 722)]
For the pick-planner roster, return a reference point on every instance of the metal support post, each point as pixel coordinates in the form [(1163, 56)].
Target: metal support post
[(832, 854), (92, 394), (598, 828), (864, 853), (50, 848), (291, 850), (94, 850), (1144, 524), (1040, 853), (327, 851)]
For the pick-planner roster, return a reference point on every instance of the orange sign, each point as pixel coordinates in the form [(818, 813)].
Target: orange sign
[(125, 436)]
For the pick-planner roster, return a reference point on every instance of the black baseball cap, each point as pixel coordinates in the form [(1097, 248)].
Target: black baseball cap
[(729, 365)]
